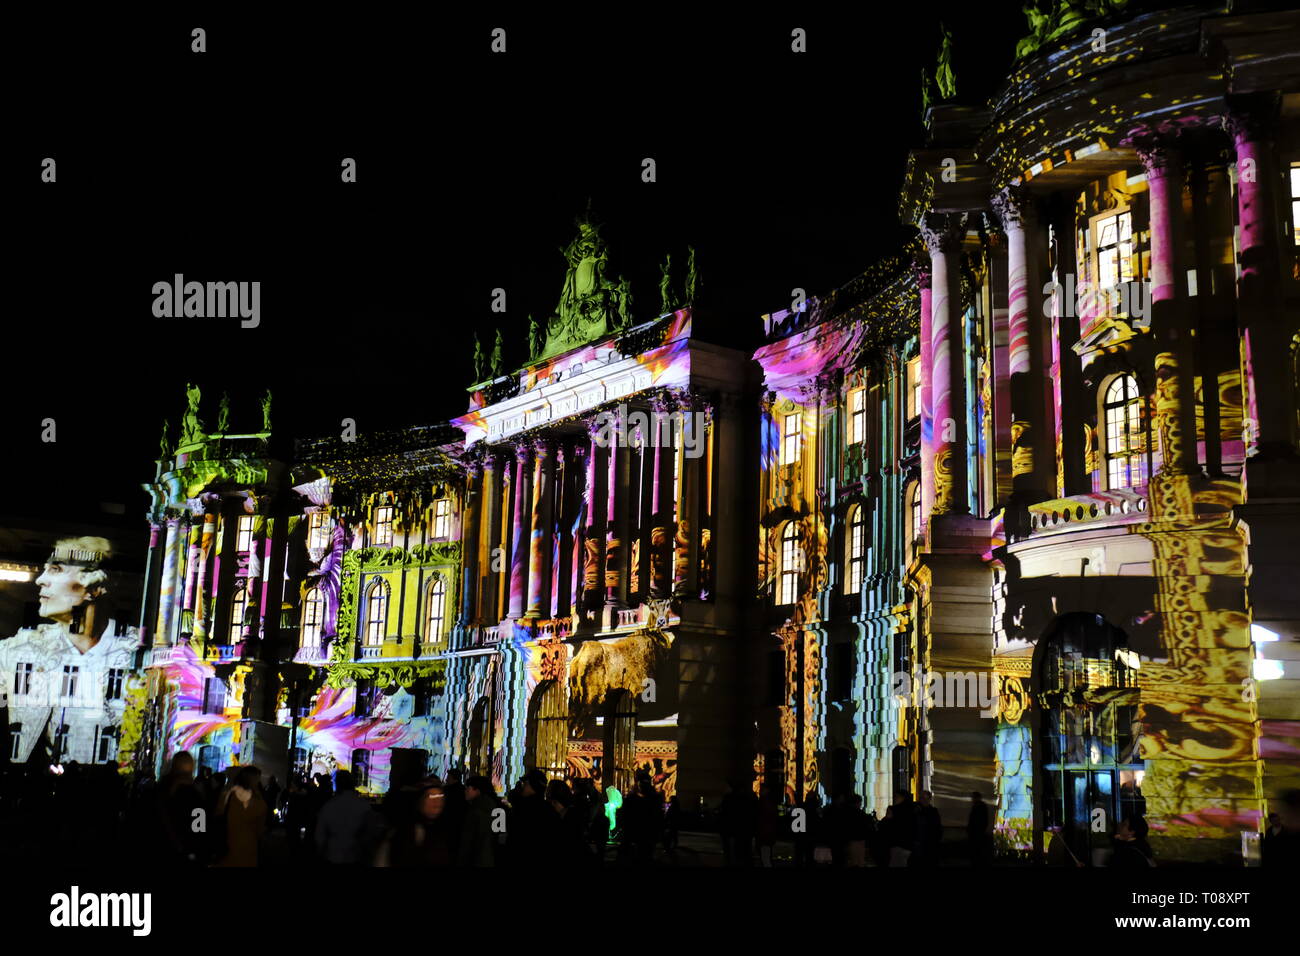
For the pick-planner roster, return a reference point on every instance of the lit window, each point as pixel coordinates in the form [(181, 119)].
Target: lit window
[(376, 613), (361, 768), (113, 686), (313, 612), (791, 564), (238, 608), (857, 416), (214, 695), (383, 525), (791, 437), (107, 745), (1126, 451), (442, 518), (437, 609), (318, 530), (244, 534), (15, 740), (914, 388), (22, 679), (914, 520), (857, 556), (1114, 251), (1295, 201), (70, 674)]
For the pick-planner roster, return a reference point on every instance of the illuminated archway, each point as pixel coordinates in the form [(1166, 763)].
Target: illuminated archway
[(547, 744), (1089, 772)]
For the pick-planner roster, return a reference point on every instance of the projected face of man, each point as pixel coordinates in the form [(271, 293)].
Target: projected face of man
[(61, 590)]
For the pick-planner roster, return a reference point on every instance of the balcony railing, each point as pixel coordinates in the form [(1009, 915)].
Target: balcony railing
[(370, 651), (311, 655), (1118, 506)]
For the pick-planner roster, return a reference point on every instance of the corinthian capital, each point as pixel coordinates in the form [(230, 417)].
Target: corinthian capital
[(943, 231), (1014, 207)]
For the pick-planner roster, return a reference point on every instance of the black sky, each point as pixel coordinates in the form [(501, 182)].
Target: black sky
[(781, 170)]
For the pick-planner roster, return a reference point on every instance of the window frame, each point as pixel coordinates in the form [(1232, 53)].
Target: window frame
[(244, 534), (856, 433), (1142, 454), (791, 438), (436, 591), (376, 593), (787, 588), (855, 557), (442, 518), (313, 617), (318, 536), (383, 525)]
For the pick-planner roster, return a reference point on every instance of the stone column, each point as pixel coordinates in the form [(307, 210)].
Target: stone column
[(519, 546), (1175, 409), (539, 565), (615, 494), (488, 537), (687, 578), (582, 479), (926, 411), (661, 500), (167, 589), (595, 504), (149, 607), (501, 581), (943, 234), (1267, 328), (1033, 456), (469, 537)]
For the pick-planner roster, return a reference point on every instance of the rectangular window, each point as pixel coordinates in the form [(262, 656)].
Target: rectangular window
[(914, 388), (23, 679), (1114, 256), (15, 740), (442, 518), (791, 437), (1295, 202), (857, 416), (244, 534), (318, 531), (214, 695), (107, 749), (383, 526), (60, 742), (70, 674), (113, 686), (361, 768)]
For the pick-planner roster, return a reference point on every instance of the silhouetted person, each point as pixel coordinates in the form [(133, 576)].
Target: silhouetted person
[(768, 824), (857, 832), (478, 840), (1281, 847), (424, 840), (347, 827), (534, 830), (736, 819), (572, 844), (1131, 850), (902, 834), (245, 813), (184, 814)]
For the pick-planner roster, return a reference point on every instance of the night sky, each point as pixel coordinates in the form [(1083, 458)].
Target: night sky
[(781, 170)]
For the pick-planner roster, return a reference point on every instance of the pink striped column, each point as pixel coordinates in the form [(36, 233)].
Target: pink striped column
[(519, 545), (943, 234), (926, 411)]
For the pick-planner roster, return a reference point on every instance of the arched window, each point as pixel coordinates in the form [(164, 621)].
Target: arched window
[(1126, 445), (856, 556), (376, 612), (547, 745), (313, 613), (1089, 742), (238, 607), (437, 607), (791, 564)]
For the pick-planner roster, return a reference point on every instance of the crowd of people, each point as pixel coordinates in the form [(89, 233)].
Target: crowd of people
[(238, 817), (222, 820)]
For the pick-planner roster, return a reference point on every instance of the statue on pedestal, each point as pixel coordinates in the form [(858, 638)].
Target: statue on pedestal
[(495, 370), (478, 360), (191, 427), (666, 286), (223, 414), (266, 411)]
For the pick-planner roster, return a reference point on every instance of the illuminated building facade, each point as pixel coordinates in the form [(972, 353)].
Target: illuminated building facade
[(600, 624), (1061, 475)]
